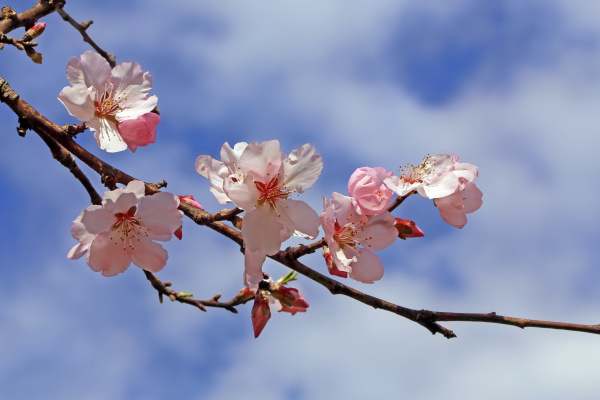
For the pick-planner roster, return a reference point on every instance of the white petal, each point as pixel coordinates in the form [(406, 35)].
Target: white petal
[(302, 168), (441, 185), (107, 135), (78, 102), (77, 251), (132, 111), (399, 186), (244, 194)]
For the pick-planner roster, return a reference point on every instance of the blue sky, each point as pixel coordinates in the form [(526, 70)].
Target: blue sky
[(509, 86)]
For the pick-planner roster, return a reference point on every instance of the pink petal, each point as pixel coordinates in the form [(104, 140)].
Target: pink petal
[(379, 232), (149, 255), (367, 268), (95, 219), (108, 256), (260, 314), (160, 215), (140, 131)]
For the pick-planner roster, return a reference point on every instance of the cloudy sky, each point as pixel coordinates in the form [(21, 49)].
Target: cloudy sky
[(510, 86)]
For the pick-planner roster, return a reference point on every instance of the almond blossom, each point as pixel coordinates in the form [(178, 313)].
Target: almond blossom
[(367, 187), (465, 200), (260, 179), (430, 179), (105, 98), (352, 237), (123, 228)]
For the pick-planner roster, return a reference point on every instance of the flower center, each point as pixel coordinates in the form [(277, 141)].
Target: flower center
[(107, 102), (127, 228), (345, 235), (417, 173), (271, 192)]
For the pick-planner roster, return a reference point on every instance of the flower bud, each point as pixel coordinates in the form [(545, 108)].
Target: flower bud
[(36, 30), (34, 55), (260, 311), (407, 228)]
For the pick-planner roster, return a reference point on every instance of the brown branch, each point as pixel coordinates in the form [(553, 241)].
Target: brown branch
[(428, 319), (399, 200), (163, 290), (86, 38), (11, 20)]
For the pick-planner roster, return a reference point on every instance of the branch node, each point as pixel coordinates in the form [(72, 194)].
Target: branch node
[(86, 24), (161, 184)]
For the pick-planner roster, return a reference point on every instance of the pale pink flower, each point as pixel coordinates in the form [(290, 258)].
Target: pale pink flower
[(259, 179), (367, 187), (140, 131), (352, 237), (104, 98), (430, 179), (122, 230), (466, 199), (408, 229)]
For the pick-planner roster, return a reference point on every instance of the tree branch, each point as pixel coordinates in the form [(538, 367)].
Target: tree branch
[(11, 20), (111, 176)]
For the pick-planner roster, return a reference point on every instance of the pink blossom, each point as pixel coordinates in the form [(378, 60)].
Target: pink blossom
[(465, 200), (259, 179), (105, 98), (290, 299), (352, 237), (123, 229), (367, 187), (408, 229), (140, 131), (333, 269)]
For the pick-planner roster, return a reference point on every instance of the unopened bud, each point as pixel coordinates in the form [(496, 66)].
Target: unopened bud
[(36, 30), (34, 55), (407, 228)]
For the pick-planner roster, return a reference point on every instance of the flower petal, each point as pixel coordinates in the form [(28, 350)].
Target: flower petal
[(300, 218), (95, 68), (108, 255), (302, 168), (367, 268), (261, 230), (78, 101), (149, 255), (263, 160)]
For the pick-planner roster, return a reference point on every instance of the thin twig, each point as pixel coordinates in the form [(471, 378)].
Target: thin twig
[(163, 290), (86, 38)]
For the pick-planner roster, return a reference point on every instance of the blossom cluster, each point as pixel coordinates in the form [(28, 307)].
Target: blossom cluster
[(260, 180)]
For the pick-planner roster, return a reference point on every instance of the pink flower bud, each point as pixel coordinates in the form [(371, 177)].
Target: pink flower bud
[(290, 299), (36, 30), (407, 228), (191, 201), (367, 188), (260, 311)]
